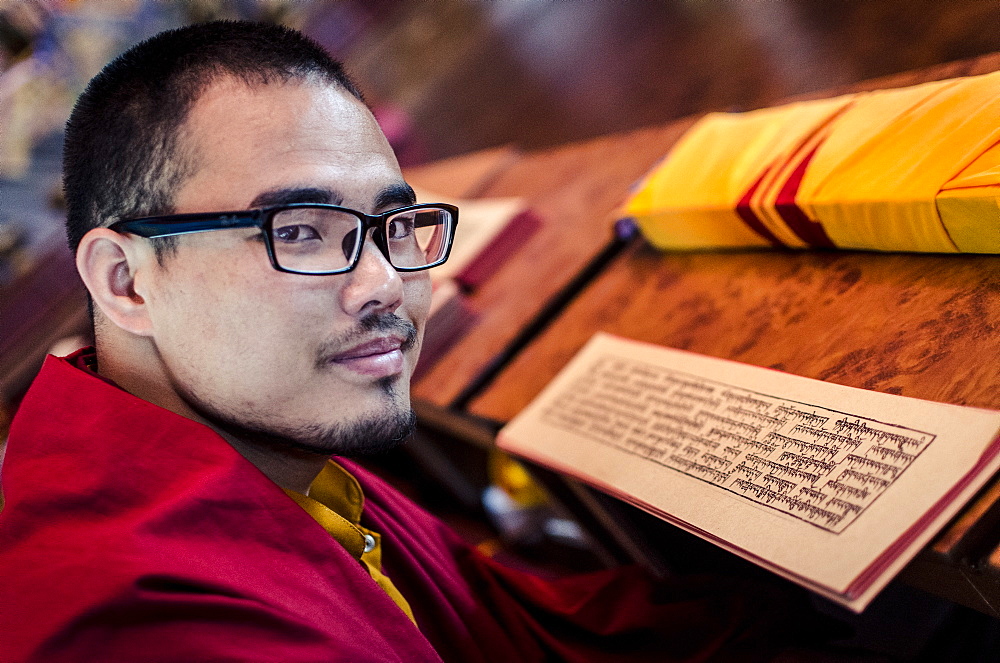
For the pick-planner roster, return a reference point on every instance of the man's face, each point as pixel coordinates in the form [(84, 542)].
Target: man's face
[(321, 362)]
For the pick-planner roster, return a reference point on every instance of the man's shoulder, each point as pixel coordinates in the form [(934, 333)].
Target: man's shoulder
[(209, 558), (114, 609), (111, 493), (256, 584)]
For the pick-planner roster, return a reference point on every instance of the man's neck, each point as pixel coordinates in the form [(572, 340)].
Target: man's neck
[(289, 468)]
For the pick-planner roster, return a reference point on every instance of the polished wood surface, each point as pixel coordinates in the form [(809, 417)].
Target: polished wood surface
[(465, 176), (582, 184), (574, 191), (915, 325)]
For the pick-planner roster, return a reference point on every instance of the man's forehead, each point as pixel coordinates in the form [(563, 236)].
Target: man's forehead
[(392, 196), (300, 141), (227, 100)]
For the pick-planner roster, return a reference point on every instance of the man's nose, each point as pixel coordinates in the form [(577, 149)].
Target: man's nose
[(373, 284)]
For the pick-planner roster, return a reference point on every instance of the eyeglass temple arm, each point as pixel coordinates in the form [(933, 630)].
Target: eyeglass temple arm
[(186, 224)]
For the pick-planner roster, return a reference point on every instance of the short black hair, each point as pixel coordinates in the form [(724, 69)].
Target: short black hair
[(122, 157)]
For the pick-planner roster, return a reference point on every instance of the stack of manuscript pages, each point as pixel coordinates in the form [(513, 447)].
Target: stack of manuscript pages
[(909, 169), (832, 487), (489, 231)]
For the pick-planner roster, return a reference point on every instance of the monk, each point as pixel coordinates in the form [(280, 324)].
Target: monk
[(257, 268)]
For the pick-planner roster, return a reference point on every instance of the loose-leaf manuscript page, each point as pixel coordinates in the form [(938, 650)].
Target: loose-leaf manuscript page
[(831, 486)]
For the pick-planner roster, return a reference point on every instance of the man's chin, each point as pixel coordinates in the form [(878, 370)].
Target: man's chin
[(368, 436), (372, 434)]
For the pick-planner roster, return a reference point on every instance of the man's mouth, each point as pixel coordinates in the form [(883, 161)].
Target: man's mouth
[(376, 348), (378, 357)]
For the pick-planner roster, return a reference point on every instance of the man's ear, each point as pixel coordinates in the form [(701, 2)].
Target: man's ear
[(108, 264)]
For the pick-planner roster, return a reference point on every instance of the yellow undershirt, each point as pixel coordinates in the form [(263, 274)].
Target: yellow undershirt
[(336, 501)]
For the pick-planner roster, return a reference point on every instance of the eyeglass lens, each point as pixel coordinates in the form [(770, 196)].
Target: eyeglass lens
[(308, 239)]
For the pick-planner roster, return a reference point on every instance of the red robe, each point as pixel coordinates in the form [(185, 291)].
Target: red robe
[(133, 534)]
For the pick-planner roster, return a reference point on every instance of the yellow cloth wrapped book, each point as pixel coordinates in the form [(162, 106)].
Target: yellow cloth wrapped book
[(908, 169)]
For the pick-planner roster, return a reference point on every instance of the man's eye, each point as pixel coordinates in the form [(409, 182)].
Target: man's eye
[(400, 228), (296, 233)]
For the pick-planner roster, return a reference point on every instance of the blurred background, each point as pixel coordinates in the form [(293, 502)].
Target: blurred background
[(447, 77), (451, 76)]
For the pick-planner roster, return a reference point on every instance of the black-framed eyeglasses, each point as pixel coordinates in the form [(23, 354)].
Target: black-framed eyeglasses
[(307, 238)]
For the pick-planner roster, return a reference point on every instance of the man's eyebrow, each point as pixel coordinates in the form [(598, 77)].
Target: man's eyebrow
[(299, 195), (398, 195)]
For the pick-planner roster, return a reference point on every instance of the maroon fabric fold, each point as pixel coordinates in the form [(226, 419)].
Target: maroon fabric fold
[(133, 534)]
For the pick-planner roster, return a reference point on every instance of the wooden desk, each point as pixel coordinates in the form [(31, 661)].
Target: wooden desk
[(579, 186), (465, 176), (926, 326), (916, 325), (573, 190)]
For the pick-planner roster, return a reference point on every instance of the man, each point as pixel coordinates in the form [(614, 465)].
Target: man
[(257, 270)]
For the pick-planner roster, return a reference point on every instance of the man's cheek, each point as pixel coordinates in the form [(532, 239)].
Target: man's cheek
[(418, 299)]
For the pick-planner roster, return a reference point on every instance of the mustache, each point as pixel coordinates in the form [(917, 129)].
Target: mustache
[(389, 323)]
